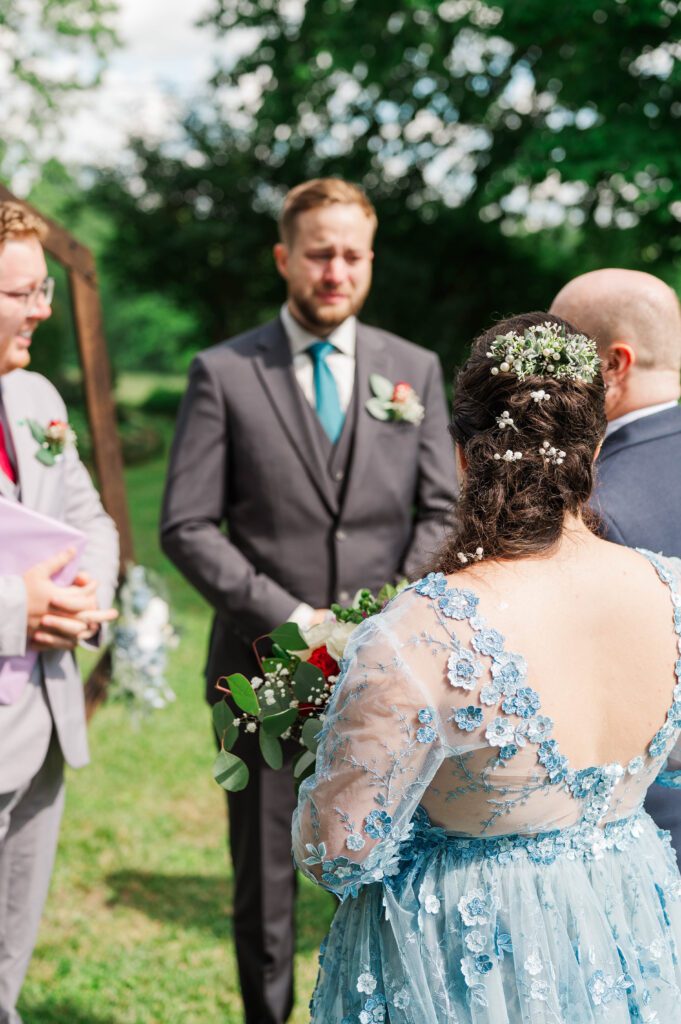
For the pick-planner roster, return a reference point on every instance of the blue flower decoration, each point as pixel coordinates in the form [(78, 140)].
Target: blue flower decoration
[(483, 963), (525, 703), (509, 671), (425, 716), (554, 762), (458, 604), (658, 744), (539, 729), (433, 585), (463, 669), (354, 842), (469, 718), (490, 694), (488, 641), (507, 752), (675, 713), (378, 824), (426, 734)]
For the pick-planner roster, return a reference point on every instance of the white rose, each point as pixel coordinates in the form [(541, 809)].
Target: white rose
[(152, 623)]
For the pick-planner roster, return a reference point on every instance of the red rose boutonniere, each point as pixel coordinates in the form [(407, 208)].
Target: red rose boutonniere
[(397, 402)]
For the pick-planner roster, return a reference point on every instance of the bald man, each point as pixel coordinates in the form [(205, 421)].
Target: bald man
[(635, 320)]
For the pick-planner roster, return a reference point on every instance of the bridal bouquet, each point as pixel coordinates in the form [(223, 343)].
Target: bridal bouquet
[(288, 700)]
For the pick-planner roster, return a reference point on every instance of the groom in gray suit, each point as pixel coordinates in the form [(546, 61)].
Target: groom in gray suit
[(636, 322), (276, 442), (42, 714)]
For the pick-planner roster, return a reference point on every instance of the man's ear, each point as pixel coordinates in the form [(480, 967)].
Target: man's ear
[(280, 252), (618, 359)]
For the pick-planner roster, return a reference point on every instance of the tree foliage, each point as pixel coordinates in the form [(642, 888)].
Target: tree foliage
[(506, 147)]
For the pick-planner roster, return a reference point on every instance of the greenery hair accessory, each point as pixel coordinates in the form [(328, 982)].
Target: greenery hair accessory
[(545, 350)]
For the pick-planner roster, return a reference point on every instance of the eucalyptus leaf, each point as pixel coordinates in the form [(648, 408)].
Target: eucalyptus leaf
[(377, 410), (243, 694), (308, 682), (382, 388), (230, 737), (37, 431), (230, 772), (223, 716), (310, 734), (45, 456), (304, 764), (275, 724), (289, 637), (270, 747)]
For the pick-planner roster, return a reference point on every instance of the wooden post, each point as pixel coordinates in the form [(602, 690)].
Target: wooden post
[(94, 358)]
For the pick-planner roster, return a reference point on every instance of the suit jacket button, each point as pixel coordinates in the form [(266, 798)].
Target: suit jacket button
[(341, 535), (339, 474)]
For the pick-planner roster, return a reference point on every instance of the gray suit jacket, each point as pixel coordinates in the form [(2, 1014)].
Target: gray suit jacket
[(304, 523), (638, 495), (63, 491)]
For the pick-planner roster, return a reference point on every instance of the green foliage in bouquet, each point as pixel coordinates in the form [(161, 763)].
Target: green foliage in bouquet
[(289, 701)]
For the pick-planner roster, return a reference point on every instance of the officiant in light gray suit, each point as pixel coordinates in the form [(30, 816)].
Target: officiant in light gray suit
[(42, 714), (636, 322), (320, 496)]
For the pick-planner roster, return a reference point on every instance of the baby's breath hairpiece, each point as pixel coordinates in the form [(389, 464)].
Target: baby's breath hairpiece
[(508, 456), (551, 455), (505, 420), (545, 350), (464, 557)]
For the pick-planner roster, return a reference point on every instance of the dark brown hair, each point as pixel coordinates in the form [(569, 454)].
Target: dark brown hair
[(517, 509), (320, 192)]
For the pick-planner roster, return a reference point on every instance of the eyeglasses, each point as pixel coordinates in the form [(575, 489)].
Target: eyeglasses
[(44, 292)]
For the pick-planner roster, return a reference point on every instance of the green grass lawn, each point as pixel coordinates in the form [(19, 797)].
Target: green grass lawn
[(137, 928)]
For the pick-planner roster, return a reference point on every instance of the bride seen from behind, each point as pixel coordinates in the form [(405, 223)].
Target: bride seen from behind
[(477, 801)]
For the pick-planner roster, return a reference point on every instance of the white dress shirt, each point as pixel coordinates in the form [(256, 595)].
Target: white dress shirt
[(637, 414), (342, 365), (341, 362)]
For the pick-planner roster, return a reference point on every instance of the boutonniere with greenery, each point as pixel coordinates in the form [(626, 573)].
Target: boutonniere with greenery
[(52, 439), (397, 402)]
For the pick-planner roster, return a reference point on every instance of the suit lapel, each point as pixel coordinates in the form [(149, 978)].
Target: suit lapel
[(646, 428), (16, 413), (274, 367), (373, 356)]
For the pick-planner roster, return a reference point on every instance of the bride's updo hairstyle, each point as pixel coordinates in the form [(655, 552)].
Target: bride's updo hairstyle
[(529, 414)]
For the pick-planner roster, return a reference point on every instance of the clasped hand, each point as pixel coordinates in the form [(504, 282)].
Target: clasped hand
[(60, 617)]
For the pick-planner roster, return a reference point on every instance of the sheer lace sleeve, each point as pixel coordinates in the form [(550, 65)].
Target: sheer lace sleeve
[(380, 747)]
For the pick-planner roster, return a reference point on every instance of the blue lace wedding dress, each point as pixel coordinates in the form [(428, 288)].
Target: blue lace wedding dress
[(545, 895)]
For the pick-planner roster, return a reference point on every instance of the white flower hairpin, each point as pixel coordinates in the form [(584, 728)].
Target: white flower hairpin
[(551, 456), (545, 350), (505, 420), (508, 456), (464, 557), (539, 396)]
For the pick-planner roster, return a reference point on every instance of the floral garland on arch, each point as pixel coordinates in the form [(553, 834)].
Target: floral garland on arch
[(142, 637), (289, 699)]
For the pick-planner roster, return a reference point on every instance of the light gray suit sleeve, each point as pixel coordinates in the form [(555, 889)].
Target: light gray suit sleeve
[(13, 617), (437, 487), (84, 511), (195, 507)]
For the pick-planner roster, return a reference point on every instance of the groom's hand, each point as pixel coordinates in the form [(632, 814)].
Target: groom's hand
[(59, 617)]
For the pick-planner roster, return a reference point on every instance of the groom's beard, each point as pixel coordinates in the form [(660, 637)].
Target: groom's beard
[(322, 319)]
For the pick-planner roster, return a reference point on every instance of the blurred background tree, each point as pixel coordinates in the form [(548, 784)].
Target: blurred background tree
[(506, 147)]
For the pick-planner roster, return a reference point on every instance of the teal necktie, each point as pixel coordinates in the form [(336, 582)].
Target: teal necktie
[(327, 402)]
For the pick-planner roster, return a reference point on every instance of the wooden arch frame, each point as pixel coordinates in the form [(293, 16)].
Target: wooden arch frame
[(79, 264)]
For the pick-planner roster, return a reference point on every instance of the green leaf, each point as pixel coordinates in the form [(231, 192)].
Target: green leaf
[(288, 637), (45, 456), (37, 431), (304, 764), (230, 737), (243, 694), (386, 593), (223, 716), (375, 407), (270, 749), (308, 682), (230, 772), (275, 724), (310, 734), (381, 387), (270, 664)]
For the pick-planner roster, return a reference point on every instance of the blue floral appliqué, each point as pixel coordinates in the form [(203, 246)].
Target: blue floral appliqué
[(488, 641), (509, 671), (556, 764), (425, 716), (378, 824), (463, 669), (426, 734), (524, 702), (433, 585), (458, 604), (469, 718)]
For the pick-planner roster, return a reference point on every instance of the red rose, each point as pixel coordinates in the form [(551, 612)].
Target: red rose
[(402, 391), (56, 423), (322, 660)]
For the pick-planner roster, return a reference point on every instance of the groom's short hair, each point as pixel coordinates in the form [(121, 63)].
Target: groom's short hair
[(320, 192), (18, 222)]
